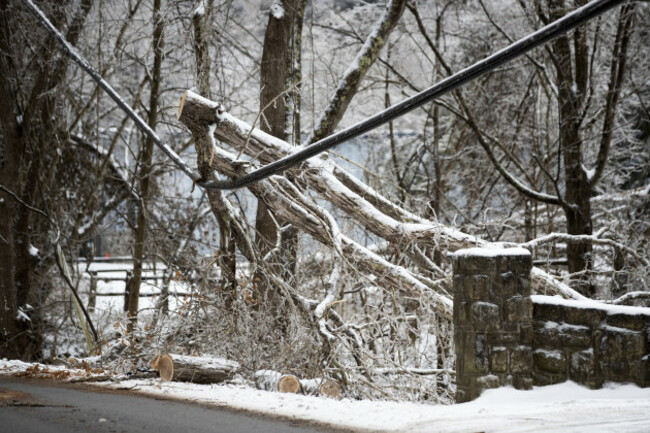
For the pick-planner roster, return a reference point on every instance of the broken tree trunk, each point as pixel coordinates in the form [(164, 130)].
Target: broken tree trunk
[(194, 369), (270, 380), (366, 206)]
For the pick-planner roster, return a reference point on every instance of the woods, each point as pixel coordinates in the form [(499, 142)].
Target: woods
[(335, 268)]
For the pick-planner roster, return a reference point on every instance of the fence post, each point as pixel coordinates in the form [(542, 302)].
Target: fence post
[(127, 289), (492, 320), (92, 292)]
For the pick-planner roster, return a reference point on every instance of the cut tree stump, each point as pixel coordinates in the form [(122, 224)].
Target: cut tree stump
[(193, 368), (270, 380), (322, 387)]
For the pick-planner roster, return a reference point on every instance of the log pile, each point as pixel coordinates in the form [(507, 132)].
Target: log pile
[(269, 380)]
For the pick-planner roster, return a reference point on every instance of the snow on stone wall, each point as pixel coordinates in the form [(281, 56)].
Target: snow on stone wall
[(504, 336), (589, 343)]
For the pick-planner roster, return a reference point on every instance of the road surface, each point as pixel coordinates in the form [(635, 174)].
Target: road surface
[(29, 406)]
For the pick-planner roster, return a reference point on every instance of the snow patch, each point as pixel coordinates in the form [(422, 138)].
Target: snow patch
[(277, 10), (199, 11), (22, 317), (590, 303), (490, 252), (33, 251), (555, 354)]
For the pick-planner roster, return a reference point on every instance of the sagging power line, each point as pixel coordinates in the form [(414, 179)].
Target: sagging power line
[(511, 52)]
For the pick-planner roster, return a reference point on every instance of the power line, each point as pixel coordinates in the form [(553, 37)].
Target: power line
[(511, 52)]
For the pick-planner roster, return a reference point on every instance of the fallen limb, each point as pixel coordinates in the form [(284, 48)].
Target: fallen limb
[(320, 173)]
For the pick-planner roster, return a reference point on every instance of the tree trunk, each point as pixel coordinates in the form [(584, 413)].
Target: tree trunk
[(273, 108), (201, 22), (572, 76), (145, 172)]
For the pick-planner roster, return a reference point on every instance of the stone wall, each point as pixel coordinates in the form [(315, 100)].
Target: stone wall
[(492, 320), (505, 336), (589, 343)]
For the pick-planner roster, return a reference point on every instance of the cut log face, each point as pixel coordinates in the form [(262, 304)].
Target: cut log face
[(166, 368), (322, 387), (289, 384), (270, 380), (194, 369), (331, 388)]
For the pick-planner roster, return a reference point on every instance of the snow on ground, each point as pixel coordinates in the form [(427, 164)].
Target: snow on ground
[(565, 407), (82, 370)]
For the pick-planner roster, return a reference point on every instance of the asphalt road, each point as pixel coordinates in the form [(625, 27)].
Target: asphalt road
[(43, 407)]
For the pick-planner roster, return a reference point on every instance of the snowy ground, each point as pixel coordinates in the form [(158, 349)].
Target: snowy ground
[(566, 407)]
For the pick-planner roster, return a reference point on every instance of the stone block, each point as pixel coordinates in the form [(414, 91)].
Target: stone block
[(526, 333), (485, 316), (522, 382), (637, 372), (488, 382), (582, 368), (519, 309), (576, 336), (459, 288), (523, 284), (499, 359), (618, 344), (541, 378), (617, 371), (475, 354), (546, 334), (506, 285), (478, 288), (521, 359), (503, 338), (474, 265), (512, 327), (627, 321), (548, 312), (516, 264), (590, 317), (550, 361), (462, 313)]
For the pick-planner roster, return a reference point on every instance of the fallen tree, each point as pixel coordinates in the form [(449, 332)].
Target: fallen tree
[(362, 203)]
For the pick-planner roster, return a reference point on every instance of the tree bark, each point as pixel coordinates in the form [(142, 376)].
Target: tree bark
[(28, 122), (145, 173), (194, 369), (273, 108), (227, 245)]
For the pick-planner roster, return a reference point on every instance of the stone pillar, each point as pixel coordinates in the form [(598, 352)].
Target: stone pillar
[(493, 315)]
